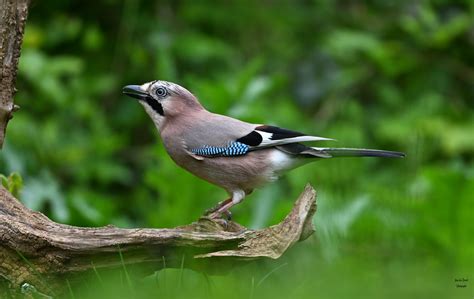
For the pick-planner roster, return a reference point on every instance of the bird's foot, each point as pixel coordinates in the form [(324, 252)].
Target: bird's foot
[(221, 219), (224, 215), (224, 224)]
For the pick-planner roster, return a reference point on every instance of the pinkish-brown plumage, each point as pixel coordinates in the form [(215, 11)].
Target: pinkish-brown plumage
[(242, 172), (232, 154)]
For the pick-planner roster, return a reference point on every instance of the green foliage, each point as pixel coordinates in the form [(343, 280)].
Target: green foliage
[(13, 183), (380, 74)]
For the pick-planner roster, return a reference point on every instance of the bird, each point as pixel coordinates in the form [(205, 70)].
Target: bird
[(235, 155)]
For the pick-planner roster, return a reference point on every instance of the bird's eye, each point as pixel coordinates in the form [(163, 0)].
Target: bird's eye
[(161, 92)]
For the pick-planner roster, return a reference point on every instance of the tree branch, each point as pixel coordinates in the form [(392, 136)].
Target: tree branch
[(39, 252), (13, 15)]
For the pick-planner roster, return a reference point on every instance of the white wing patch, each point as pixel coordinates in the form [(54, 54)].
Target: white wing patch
[(267, 140)]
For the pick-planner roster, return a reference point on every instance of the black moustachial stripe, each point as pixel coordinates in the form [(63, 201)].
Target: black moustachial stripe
[(251, 139), (155, 105), (279, 133)]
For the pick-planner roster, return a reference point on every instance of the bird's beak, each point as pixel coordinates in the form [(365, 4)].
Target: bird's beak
[(135, 91)]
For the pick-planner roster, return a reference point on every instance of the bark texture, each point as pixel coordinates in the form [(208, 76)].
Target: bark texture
[(13, 15), (38, 253)]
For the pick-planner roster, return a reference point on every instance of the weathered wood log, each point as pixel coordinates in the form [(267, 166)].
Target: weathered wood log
[(13, 15), (38, 252)]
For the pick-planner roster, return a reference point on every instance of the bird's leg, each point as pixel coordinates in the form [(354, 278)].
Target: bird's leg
[(237, 197), (218, 206), (223, 210)]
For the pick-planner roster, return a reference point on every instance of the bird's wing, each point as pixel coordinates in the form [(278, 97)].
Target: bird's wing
[(269, 136), (262, 136)]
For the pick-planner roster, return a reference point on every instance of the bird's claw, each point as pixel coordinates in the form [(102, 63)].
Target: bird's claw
[(216, 215), (222, 222)]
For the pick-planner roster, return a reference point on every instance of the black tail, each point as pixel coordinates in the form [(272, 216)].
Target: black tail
[(359, 152), (299, 149)]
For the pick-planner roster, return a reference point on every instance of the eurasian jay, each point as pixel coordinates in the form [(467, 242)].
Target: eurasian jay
[(232, 154)]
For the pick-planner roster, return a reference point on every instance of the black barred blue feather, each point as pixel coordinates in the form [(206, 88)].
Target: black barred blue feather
[(233, 149)]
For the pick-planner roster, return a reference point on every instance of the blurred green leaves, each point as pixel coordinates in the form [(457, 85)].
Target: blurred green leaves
[(53, 73), (428, 27), (382, 74), (43, 193), (13, 183)]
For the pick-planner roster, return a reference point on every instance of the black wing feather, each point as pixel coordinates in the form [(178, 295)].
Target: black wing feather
[(267, 136), (251, 139), (279, 133)]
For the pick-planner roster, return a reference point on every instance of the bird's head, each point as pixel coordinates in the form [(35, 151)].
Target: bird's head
[(163, 100)]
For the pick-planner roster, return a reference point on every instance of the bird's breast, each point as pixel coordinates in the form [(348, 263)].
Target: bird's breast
[(242, 172)]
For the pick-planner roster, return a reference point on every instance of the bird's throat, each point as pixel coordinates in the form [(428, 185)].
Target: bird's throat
[(155, 105)]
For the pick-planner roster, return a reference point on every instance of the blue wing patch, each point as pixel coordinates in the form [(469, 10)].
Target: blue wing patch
[(233, 149)]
